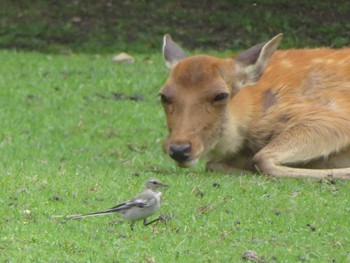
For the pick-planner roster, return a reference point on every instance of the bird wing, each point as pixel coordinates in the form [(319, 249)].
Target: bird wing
[(143, 200), (128, 204)]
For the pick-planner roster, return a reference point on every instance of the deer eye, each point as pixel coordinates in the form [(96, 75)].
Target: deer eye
[(220, 97), (164, 100)]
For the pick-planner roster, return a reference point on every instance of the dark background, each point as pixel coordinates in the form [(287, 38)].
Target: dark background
[(138, 25)]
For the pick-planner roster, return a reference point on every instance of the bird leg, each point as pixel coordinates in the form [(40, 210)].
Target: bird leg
[(160, 218), (132, 226)]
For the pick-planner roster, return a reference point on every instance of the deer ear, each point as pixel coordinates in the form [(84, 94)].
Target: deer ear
[(172, 52), (253, 61)]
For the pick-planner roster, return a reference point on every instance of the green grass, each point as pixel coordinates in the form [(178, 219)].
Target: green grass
[(68, 146), (134, 25)]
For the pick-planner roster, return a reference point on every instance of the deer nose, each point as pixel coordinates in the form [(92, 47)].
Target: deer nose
[(180, 152)]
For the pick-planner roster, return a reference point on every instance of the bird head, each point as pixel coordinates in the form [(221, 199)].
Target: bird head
[(154, 183)]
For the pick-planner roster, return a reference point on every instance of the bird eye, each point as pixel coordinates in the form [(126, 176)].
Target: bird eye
[(220, 97), (164, 100)]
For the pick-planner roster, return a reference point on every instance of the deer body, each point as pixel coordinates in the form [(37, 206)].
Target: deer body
[(281, 113)]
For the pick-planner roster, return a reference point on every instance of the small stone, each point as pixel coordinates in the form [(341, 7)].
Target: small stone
[(277, 212), (76, 19), (250, 255), (216, 185), (55, 197), (123, 58), (22, 190)]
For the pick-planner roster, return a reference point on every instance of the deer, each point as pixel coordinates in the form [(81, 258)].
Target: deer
[(280, 113)]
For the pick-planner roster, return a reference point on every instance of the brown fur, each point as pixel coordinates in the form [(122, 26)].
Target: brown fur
[(293, 121)]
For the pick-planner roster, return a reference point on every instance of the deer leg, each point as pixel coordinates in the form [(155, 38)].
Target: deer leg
[(299, 145)]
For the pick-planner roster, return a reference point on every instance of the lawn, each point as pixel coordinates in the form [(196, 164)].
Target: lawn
[(80, 134), (101, 26)]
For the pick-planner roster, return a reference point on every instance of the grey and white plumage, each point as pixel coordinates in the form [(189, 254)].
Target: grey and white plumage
[(137, 208)]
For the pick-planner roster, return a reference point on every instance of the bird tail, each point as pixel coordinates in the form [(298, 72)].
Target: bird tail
[(72, 217)]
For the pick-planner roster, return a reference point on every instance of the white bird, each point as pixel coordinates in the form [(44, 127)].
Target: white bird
[(137, 208)]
